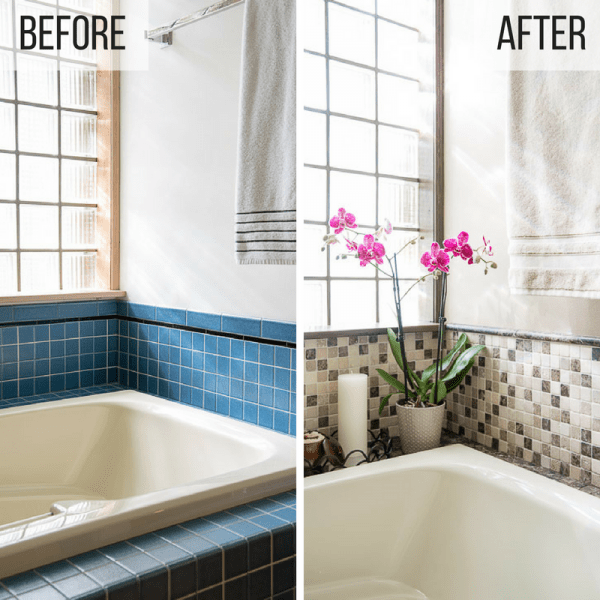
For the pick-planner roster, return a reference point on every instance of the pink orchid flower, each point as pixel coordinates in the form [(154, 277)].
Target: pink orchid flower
[(342, 221), (385, 230), (352, 246), (460, 246), (436, 259), (370, 250), (488, 247)]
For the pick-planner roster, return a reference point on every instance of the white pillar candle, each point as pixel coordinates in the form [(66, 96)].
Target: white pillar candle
[(352, 414)]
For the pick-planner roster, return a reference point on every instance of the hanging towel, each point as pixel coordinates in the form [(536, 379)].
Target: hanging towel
[(554, 183), (266, 176)]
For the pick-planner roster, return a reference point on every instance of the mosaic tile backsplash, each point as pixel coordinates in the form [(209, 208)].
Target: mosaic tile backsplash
[(327, 358), (532, 398), (538, 400), (238, 367)]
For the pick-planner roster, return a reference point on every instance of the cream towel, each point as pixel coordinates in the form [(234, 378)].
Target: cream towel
[(266, 178), (554, 183)]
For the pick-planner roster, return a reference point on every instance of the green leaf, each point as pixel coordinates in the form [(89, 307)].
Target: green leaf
[(397, 352), (426, 384), (453, 383), (460, 344), (384, 402), (441, 393), (394, 382), (462, 361), (395, 346), (427, 373), (446, 362)]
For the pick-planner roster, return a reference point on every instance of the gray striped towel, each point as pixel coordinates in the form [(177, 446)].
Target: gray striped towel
[(266, 177)]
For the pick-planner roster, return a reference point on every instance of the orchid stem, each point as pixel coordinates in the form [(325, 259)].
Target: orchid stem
[(406, 246), (414, 284), (400, 335), (442, 320), (382, 271)]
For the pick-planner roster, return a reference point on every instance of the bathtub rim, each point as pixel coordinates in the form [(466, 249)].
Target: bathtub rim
[(469, 461), (132, 516), (155, 401)]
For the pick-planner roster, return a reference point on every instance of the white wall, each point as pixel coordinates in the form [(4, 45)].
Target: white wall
[(178, 165), (475, 169)]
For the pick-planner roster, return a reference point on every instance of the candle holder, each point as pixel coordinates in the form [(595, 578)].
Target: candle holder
[(331, 458)]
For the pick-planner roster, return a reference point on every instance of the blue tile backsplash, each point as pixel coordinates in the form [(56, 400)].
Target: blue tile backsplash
[(53, 357), (239, 367), (233, 377)]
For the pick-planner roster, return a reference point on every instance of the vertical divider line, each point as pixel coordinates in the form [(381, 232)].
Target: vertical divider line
[(328, 157), (60, 208), (438, 201), (17, 157), (377, 215)]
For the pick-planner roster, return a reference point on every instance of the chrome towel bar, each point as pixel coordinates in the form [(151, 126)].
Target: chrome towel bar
[(164, 35)]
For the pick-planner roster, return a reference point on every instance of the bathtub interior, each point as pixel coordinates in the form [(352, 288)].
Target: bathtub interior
[(106, 450), (448, 534)]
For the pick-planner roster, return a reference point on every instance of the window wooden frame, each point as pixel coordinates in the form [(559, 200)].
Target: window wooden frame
[(439, 150), (108, 140), (108, 171)]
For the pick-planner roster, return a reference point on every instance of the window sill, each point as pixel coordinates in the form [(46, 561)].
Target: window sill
[(326, 332), (62, 297)]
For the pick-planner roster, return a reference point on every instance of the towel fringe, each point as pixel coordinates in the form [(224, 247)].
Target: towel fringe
[(265, 261)]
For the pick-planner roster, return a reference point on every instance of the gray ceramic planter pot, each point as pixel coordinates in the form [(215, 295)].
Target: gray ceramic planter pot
[(420, 428)]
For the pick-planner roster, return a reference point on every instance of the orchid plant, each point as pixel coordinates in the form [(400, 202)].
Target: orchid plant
[(419, 390)]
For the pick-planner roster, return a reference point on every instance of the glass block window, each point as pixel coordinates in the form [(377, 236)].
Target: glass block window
[(369, 98), (48, 159)]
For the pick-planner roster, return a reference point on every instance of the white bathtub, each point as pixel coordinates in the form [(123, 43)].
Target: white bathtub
[(449, 524), (82, 473)]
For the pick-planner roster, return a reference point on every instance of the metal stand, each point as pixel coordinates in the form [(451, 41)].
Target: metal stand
[(380, 448)]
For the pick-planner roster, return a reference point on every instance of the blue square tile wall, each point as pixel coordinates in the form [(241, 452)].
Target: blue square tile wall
[(245, 380), (245, 553), (54, 357), (239, 367)]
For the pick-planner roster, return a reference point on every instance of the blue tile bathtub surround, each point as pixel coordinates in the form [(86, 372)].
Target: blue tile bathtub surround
[(57, 356), (246, 380), (238, 367), (245, 553)]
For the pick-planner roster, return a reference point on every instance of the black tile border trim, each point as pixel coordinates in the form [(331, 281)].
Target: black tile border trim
[(234, 336)]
